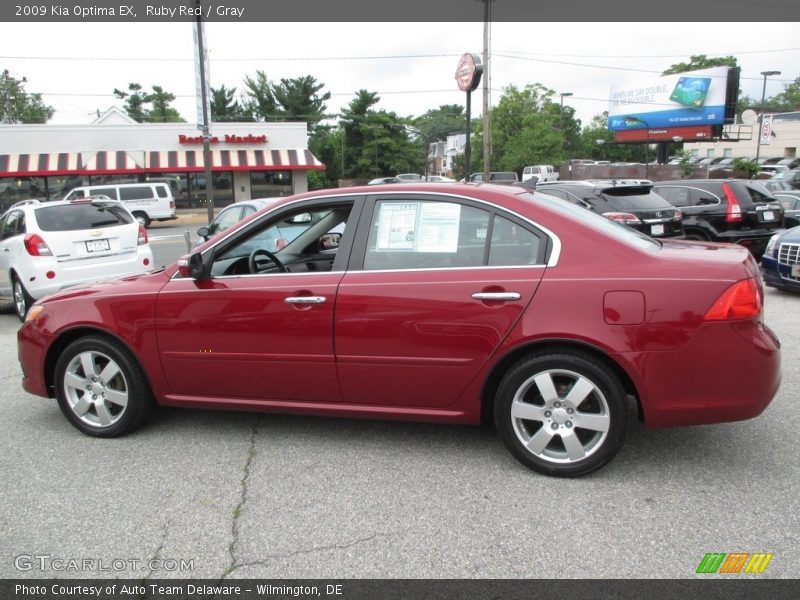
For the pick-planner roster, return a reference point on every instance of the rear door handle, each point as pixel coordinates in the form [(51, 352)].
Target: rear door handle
[(501, 296), (305, 300)]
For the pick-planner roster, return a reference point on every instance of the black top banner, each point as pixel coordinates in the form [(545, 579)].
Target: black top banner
[(601, 11)]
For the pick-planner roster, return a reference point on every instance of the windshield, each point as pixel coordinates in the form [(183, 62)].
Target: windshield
[(637, 197), (74, 217)]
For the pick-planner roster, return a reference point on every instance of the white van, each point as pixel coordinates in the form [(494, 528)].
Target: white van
[(146, 201), (541, 172)]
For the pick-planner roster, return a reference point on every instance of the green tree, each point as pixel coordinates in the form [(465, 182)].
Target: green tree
[(224, 107), (135, 101), (18, 106), (438, 123), (598, 143), (259, 101), (789, 99), (299, 99), (701, 61), (161, 111), (154, 107)]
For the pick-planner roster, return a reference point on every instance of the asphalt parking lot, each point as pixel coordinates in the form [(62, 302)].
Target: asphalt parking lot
[(210, 494)]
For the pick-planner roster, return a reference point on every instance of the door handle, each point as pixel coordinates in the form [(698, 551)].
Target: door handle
[(305, 300), (501, 296)]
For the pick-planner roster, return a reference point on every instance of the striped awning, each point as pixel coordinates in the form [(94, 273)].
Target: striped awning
[(122, 162)]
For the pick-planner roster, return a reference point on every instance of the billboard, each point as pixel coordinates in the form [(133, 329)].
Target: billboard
[(668, 134), (696, 98)]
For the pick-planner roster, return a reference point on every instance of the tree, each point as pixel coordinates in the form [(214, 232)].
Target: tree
[(161, 111), (259, 101), (224, 107), (299, 99), (149, 107), (376, 142), (701, 61), (438, 123), (789, 99), (17, 106)]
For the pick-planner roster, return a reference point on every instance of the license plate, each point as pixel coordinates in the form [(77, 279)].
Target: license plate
[(97, 245), (795, 270), (656, 230), (769, 215)]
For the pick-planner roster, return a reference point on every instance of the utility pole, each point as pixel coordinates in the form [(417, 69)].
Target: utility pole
[(204, 115), (487, 131)]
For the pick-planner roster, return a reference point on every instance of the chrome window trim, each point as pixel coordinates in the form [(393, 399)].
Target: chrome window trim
[(555, 253)]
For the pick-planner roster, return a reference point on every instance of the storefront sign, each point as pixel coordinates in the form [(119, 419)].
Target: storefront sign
[(227, 139)]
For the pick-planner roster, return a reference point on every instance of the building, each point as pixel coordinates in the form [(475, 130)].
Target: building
[(784, 141), (249, 160)]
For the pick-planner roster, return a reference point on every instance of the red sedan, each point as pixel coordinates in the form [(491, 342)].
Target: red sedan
[(434, 302)]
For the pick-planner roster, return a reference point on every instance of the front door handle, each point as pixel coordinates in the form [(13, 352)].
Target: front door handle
[(305, 300), (496, 296)]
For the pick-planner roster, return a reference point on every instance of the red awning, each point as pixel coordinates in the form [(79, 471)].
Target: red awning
[(123, 163)]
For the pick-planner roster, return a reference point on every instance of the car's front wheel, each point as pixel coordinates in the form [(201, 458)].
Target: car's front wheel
[(562, 413), (101, 388)]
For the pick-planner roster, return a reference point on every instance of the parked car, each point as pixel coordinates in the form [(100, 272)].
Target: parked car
[(500, 177), (790, 201), (541, 173), (725, 210), (409, 177), (50, 246), (440, 179), (633, 203), (230, 215), (780, 265), (381, 180), (772, 169), (442, 302), (792, 177), (147, 201)]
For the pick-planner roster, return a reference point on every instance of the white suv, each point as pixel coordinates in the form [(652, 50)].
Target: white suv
[(48, 246)]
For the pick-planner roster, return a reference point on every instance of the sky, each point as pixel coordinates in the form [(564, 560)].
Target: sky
[(76, 66)]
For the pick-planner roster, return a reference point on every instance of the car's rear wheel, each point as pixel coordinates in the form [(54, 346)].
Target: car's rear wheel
[(695, 235), (142, 218), (22, 299), (561, 413), (101, 388)]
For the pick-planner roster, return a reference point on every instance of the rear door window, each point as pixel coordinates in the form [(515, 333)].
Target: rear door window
[(139, 192)]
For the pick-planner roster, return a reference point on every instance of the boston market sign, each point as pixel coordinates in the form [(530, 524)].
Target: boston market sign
[(228, 139)]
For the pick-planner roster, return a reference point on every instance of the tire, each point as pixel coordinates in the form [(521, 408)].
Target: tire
[(113, 399), (562, 414), (143, 219), (22, 299)]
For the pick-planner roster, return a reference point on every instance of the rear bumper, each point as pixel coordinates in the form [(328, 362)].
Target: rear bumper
[(70, 274), (729, 371)]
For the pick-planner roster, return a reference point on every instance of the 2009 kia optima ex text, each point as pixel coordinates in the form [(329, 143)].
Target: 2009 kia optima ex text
[(434, 302)]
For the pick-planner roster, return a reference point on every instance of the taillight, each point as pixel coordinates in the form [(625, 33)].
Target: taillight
[(622, 217), (734, 212), (142, 236), (742, 300), (35, 245)]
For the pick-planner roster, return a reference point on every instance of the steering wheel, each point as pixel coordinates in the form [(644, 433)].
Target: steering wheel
[(259, 260)]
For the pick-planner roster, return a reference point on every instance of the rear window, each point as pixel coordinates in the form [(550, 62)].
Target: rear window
[(755, 192), (74, 217), (612, 229), (628, 198)]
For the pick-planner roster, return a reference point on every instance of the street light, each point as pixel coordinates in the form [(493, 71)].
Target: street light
[(761, 113)]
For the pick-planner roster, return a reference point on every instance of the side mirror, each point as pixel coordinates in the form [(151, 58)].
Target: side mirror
[(191, 266), (329, 241), (204, 232)]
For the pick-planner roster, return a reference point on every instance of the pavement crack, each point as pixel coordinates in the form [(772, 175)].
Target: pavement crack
[(157, 554), (313, 550), (237, 511)]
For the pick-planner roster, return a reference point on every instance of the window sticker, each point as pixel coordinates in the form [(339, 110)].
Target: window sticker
[(418, 226)]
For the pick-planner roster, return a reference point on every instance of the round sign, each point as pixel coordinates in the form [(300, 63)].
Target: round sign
[(468, 72)]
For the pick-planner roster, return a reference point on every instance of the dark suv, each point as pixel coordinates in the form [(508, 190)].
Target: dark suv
[(633, 203), (725, 210)]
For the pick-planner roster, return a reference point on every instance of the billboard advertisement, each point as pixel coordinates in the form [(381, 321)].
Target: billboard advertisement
[(696, 98)]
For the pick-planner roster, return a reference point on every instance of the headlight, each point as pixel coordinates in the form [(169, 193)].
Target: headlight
[(771, 244)]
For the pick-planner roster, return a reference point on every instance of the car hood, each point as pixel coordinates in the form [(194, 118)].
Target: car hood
[(148, 282)]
